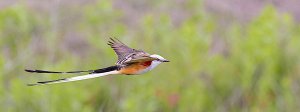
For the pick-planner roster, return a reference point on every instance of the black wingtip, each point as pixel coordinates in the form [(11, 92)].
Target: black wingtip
[(114, 40)]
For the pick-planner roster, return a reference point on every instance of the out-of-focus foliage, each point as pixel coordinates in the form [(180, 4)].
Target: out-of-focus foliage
[(253, 66)]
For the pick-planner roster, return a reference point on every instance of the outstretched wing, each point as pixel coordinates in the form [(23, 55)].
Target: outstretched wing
[(125, 53), (140, 59), (119, 47)]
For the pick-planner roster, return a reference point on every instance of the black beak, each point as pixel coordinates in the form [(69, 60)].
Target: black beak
[(165, 61)]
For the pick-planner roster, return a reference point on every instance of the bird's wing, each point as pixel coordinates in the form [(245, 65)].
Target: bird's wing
[(139, 59), (125, 53)]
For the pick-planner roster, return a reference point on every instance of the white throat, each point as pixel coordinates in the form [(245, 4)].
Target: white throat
[(154, 63)]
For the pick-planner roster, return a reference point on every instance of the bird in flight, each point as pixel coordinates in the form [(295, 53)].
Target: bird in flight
[(130, 62)]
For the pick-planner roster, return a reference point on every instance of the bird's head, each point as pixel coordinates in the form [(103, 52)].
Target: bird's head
[(159, 58)]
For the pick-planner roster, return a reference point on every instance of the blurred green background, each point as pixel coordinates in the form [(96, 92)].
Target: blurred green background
[(226, 56)]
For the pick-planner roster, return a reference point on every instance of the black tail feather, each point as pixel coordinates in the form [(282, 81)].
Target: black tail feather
[(45, 82), (32, 84), (45, 71), (107, 69)]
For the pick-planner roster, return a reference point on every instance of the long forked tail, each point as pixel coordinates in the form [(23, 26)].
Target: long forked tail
[(77, 78), (45, 71), (85, 71), (93, 74)]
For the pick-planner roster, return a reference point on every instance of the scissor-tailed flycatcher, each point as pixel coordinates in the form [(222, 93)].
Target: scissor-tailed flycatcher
[(130, 61)]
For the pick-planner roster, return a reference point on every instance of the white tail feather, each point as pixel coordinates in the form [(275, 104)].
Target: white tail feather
[(77, 78)]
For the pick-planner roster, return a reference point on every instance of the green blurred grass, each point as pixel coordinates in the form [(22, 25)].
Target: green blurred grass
[(252, 67)]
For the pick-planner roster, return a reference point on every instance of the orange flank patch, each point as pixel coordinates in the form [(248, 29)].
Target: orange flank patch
[(134, 68)]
